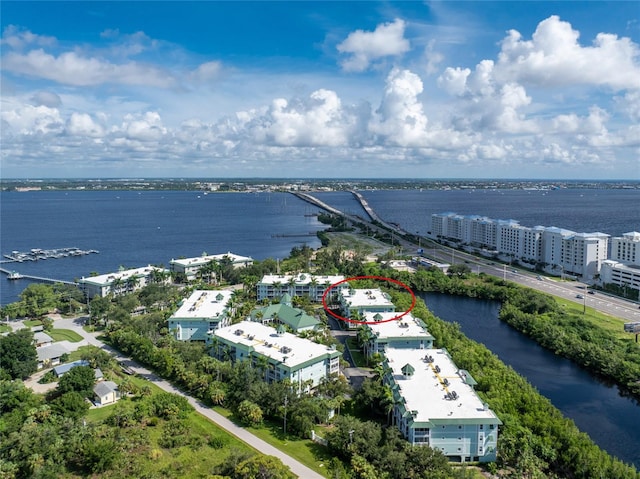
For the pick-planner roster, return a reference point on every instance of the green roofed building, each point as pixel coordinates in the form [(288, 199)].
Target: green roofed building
[(285, 314)]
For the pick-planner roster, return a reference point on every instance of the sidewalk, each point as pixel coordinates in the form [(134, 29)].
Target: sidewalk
[(299, 469)]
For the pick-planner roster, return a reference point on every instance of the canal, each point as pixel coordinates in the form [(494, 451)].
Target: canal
[(611, 420)]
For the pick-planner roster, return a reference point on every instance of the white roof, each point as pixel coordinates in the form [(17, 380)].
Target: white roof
[(52, 351), (203, 304), (365, 297), (302, 278), (123, 275), (267, 342), (201, 260), (407, 326), (425, 392), (41, 337)]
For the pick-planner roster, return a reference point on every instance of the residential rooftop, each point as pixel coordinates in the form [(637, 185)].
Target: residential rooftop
[(203, 304), (280, 346), (365, 297), (430, 393), (121, 275), (204, 259), (301, 278), (407, 326)]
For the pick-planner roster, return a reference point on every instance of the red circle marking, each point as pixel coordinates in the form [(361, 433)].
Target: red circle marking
[(381, 278)]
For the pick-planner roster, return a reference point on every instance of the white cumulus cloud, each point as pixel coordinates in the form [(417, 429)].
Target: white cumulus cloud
[(555, 57), (363, 48)]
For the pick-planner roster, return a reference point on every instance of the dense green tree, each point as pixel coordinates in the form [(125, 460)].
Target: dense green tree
[(70, 404), (262, 467), (18, 357), (249, 412), (79, 379), (38, 299)]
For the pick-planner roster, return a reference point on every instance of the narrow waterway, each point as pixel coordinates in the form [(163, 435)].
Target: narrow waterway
[(611, 420)]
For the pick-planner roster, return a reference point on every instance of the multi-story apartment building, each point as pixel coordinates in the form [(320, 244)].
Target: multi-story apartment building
[(436, 405), (383, 332), (304, 284), (626, 248), (123, 282), (200, 314), (190, 266), (557, 250), (283, 355), (355, 303)]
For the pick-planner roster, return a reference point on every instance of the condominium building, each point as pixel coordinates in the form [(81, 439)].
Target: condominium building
[(626, 248), (576, 254), (283, 355), (200, 314), (383, 332), (191, 266), (355, 303), (123, 282), (556, 250), (304, 284), (436, 405)]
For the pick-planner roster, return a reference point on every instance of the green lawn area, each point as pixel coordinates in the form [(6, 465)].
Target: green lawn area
[(30, 323), (309, 453), (5, 328), (65, 335), (356, 353), (610, 323)]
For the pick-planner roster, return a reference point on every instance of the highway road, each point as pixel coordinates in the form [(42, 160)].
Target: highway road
[(571, 290), (605, 303)]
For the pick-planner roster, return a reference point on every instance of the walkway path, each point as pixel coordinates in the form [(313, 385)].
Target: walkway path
[(299, 469)]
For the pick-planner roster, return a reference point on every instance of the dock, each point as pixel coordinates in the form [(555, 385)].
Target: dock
[(37, 254), (14, 275)]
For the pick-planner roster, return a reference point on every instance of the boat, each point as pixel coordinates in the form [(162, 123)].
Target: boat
[(14, 275)]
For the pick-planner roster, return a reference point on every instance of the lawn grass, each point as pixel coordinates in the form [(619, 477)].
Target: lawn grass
[(64, 335), (30, 323), (309, 453), (356, 353), (5, 328), (601, 320)]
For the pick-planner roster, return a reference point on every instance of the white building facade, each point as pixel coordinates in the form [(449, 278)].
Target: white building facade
[(191, 266), (200, 314), (626, 248), (285, 355), (384, 332), (123, 282), (556, 250), (304, 284), (436, 405)]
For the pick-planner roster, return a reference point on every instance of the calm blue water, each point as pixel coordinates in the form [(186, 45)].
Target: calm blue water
[(612, 421), (610, 211), (134, 229)]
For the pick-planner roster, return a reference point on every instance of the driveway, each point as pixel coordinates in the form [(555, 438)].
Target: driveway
[(299, 469)]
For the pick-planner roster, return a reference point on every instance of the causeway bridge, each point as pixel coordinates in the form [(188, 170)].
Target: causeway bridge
[(363, 202)]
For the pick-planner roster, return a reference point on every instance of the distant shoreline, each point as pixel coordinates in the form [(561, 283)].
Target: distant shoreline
[(283, 185)]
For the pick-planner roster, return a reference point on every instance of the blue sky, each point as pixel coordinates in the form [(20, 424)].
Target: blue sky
[(321, 89)]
